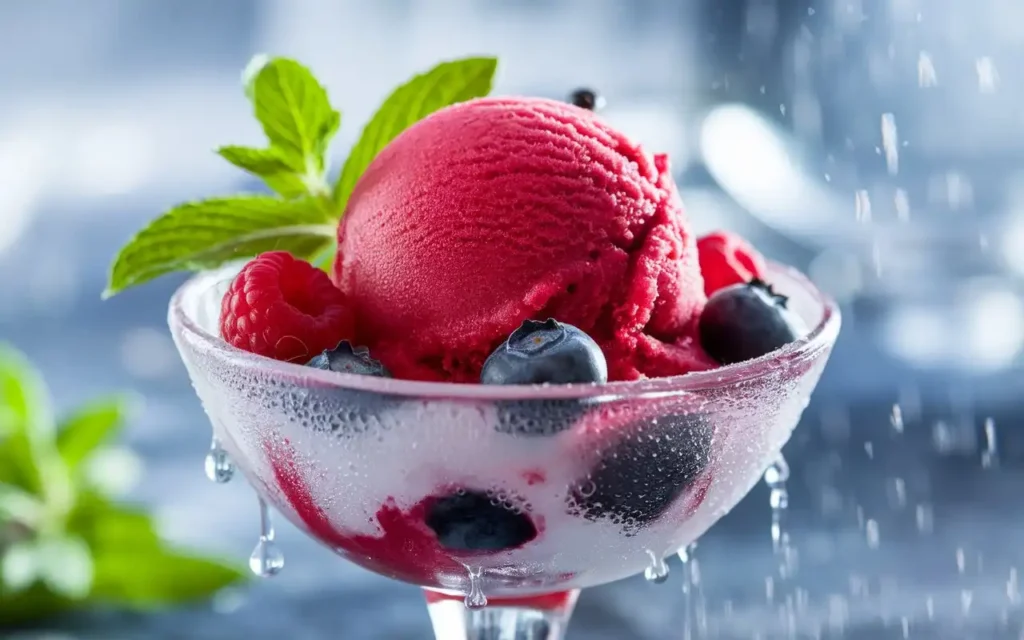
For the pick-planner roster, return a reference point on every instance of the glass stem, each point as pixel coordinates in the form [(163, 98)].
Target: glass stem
[(535, 618)]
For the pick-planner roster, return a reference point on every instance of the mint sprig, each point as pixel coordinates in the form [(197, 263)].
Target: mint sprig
[(299, 123), (65, 543)]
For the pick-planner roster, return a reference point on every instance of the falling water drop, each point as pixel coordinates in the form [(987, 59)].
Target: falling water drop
[(890, 143), (988, 77), (902, 202), (990, 455), (775, 477), (657, 571), (862, 206), (686, 557), (266, 560), (926, 76), (1013, 587), (219, 467), (476, 599), (871, 533), (896, 418)]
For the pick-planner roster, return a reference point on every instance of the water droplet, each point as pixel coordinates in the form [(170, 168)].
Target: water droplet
[(925, 518), (990, 455), (219, 467), (588, 489), (1013, 587), (896, 418), (862, 206), (988, 76), (961, 560), (890, 143), (266, 560), (902, 202), (966, 598), (926, 76), (898, 493), (657, 571), (686, 556), (871, 532), (869, 448), (475, 599)]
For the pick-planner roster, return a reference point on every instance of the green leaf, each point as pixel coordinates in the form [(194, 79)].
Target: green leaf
[(209, 233), (111, 527), (28, 449), (89, 426), (268, 165), (444, 85), (151, 579), (296, 115), (33, 604), (19, 506)]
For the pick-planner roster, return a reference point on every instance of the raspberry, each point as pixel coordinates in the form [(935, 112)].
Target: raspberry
[(283, 308), (727, 259)]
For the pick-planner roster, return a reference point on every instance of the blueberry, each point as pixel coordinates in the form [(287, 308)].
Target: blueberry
[(746, 321), (586, 99), (348, 359), (470, 521), (342, 411), (546, 352), (639, 477)]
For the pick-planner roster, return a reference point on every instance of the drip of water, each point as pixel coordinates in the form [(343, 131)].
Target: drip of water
[(266, 560), (657, 571), (776, 477), (694, 606), (781, 591), (219, 467), (476, 598), (890, 143), (990, 455)]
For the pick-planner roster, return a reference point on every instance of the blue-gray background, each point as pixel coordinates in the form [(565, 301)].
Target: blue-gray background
[(879, 145)]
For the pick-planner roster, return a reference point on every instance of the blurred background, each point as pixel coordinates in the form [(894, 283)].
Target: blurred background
[(876, 144)]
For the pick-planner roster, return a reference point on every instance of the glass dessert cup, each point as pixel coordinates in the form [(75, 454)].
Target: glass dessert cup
[(501, 502)]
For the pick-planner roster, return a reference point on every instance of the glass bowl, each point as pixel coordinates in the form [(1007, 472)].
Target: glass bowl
[(503, 493)]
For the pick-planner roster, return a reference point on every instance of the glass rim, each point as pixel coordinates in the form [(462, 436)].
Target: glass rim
[(819, 339)]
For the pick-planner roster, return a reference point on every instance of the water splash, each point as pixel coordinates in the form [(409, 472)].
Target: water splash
[(475, 599), (266, 560), (219, 467), (657, 571)]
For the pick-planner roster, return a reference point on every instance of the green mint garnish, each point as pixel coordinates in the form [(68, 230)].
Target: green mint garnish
[(66, 543), (208, 233), (299, 123)]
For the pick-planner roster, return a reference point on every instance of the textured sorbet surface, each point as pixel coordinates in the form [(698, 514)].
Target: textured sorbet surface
[(502, 209)]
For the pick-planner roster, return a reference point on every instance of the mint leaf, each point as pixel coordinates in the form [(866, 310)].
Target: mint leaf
[(444, 85), (32, 604), (296, 116), (28, 457), (208, 233), (17, 505), (149, 579), (268, 165), (81, 433), (108, 526)]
